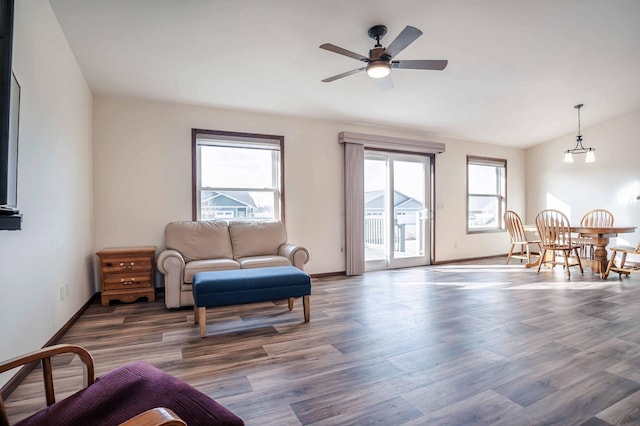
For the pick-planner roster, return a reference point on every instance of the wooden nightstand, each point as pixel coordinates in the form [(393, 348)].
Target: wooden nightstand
[(127, 274)]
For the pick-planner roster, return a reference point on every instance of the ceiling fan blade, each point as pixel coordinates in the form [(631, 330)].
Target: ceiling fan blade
[(404, 39), (335, 49), (344, 74), (421, 64), (384, 83)]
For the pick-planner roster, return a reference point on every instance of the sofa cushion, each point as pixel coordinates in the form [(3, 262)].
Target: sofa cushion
[(196, 266), (263, 261), (256, 238), (199, 240)]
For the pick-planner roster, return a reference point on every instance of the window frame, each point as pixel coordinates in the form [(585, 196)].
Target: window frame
[(231, 138), (500, 195)]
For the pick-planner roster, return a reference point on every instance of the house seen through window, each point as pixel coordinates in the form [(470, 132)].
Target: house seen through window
[(486, 194), (237, 176)]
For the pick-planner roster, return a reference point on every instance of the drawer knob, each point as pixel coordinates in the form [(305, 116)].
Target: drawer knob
[(127, 282), (125, 266)]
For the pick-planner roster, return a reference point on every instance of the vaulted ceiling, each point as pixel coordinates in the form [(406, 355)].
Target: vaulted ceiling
[(516, 67)]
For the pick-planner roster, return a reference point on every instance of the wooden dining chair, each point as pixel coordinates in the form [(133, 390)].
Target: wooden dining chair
[(519, 238), (593, 218), (555, 233), (624, 267)]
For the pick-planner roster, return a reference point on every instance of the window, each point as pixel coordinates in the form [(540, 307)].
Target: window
[(237, 176), (486, 194)]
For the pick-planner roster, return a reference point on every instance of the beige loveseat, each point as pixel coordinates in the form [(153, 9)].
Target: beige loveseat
[(216, 245)]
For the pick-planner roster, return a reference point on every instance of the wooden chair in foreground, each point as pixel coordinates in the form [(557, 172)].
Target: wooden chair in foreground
[(136, 394), (518, 237), (624, 267), (555, 234), (592, 218)]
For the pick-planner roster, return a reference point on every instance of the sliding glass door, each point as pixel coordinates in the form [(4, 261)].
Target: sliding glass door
[(396, 209)]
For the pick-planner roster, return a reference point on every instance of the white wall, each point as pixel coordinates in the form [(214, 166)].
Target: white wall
[(452, 240), (142, 172), (612, 182), (54, 248)]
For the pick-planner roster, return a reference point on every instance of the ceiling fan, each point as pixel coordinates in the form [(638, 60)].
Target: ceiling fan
[(379, 62)]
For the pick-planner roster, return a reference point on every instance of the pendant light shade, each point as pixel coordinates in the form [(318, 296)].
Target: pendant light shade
[(591, 157), (568, 157)]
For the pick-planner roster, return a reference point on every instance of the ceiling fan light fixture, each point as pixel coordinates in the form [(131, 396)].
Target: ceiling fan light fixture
[(378, 69), (381, 59)]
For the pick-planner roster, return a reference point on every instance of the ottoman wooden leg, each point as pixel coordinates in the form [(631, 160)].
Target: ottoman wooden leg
[(195, 315), (291, 303), (202, 320), (307, 308)]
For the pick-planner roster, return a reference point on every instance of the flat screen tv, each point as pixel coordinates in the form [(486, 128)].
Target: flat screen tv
[(9, 107)]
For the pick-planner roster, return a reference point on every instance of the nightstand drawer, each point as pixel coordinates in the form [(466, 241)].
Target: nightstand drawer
[(125, 264), (121, 282)]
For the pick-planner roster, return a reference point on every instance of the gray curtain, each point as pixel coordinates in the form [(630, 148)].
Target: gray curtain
[(354, 207)]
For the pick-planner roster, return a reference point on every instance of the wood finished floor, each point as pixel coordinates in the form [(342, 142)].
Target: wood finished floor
[(461, 344)]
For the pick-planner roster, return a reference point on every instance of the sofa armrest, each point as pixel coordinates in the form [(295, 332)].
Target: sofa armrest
[(298, 255), (171, 264)]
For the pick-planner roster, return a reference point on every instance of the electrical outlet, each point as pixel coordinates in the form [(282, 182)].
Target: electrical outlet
[(61, 294), (455, 244)]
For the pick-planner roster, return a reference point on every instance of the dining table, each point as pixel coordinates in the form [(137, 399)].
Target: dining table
[(599, 235)]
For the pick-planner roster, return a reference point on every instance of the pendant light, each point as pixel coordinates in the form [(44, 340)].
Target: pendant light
[(579, 149)]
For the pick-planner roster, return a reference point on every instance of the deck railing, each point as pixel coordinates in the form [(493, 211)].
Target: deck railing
[(374, 230)]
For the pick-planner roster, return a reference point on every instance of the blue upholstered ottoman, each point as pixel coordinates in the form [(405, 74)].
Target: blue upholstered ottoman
[(237, 286)]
